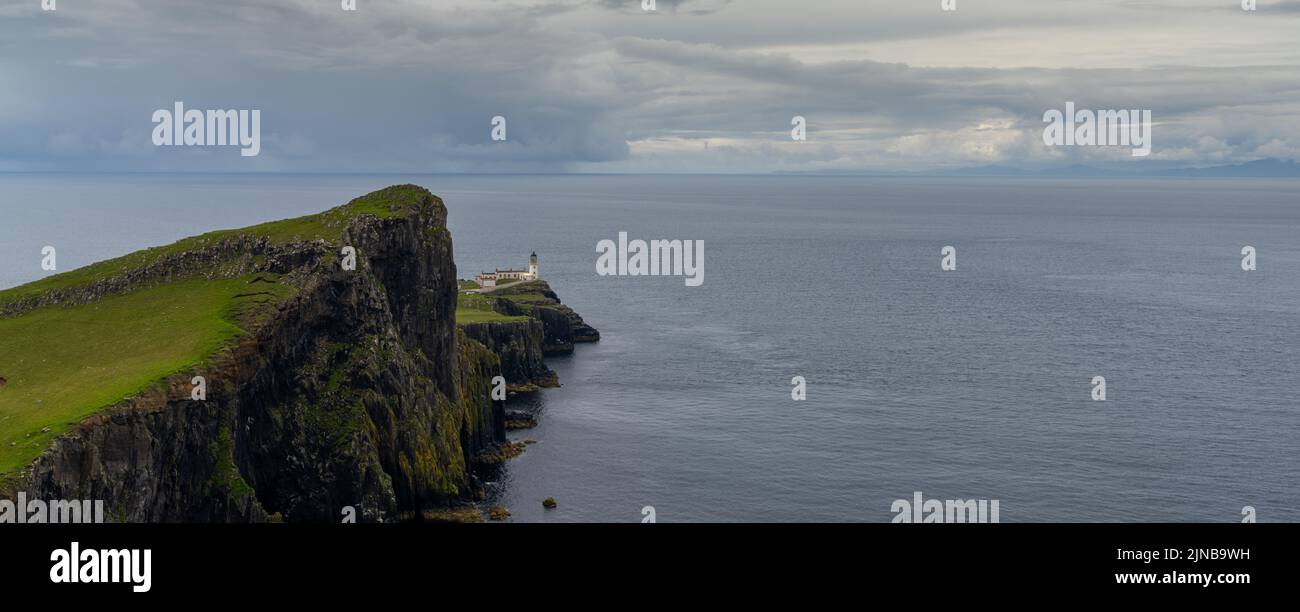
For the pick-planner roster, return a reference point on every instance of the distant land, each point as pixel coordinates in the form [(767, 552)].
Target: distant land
[(1260, 168)]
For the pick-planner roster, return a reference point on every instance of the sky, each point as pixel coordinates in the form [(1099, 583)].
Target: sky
[(596, 86)]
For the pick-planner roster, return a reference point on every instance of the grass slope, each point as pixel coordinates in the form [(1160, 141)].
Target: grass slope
[(525, 295), (62, 364), (477, 308), (328, 226)]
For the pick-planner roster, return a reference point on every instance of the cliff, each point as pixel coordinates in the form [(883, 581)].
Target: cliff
[(523, 323), (561, 326), (519, 346), (326, 384)]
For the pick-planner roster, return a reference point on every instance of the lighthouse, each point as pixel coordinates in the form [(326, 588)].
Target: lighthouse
[(532, 266)]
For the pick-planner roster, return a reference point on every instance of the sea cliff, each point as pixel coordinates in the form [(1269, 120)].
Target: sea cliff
[(526, 322), (333, 373)]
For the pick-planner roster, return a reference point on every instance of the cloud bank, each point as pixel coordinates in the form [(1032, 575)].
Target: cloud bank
[(603, 86)]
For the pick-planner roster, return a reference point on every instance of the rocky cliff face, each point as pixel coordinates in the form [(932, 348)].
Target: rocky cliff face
[(562, 326), (519, 344), (552, 328), (357, 390)]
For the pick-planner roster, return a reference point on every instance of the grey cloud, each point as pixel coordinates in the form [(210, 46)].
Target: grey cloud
[(405, 87), (687, 7)]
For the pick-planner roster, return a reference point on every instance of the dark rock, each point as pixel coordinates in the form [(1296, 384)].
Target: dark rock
[(519, 346), (358, 392), (561, 326)]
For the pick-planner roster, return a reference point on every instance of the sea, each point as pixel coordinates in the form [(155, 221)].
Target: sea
[(976, 382)]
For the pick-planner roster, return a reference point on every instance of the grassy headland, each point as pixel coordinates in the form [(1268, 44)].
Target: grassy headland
[(62, 363), (477, 308)]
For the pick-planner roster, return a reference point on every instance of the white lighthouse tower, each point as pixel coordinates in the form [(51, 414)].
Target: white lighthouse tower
[(532, 266)]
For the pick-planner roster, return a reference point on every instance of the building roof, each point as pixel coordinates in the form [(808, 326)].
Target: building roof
[(509, 270)]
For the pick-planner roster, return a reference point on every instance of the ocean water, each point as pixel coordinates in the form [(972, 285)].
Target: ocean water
[(970, 384)]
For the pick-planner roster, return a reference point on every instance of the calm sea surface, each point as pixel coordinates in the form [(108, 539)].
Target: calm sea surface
[(966, 384)]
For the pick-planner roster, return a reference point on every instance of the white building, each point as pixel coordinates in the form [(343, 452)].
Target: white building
[(488, 280)]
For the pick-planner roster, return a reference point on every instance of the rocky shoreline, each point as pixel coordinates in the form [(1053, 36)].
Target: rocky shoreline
[(353, 390), (551, 328)]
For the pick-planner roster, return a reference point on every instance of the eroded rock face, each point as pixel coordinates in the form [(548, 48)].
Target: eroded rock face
[(357, 392), (561, 326), (148, 465), (520, 345)]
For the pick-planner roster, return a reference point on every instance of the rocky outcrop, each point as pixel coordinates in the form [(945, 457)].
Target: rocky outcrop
[(561, 326), (149, 460), (549, 328), (519, 345), (356, 391), (485, 419)]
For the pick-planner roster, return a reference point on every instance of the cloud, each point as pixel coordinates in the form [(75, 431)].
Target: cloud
[(687, 7), (598, 85)]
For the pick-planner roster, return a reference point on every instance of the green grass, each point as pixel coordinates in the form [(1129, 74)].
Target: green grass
[(525, 295), (63, 364), (476, 308), (466, 284), (328, 226), (528, 300), (522, 290), (465, 315)]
